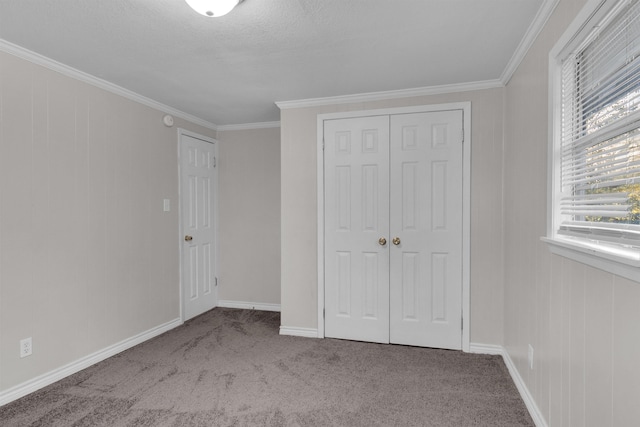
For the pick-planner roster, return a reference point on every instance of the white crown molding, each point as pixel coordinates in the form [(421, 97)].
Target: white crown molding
[(527, 41), (36, 58), (249, 305), (51, 377), (538, 23), (249, 126), (391, 94)]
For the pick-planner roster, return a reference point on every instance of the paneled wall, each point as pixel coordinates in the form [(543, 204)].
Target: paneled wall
[(249, 216), (582, 323), (88, 258), (299, 209)]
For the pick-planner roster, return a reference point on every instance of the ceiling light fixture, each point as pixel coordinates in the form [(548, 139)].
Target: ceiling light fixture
[(213, 8)]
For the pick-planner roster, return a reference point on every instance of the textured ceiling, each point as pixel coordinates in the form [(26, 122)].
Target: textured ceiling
[(232, 69)]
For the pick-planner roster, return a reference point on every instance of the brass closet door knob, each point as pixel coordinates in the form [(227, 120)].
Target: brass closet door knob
[(382, 241), (396, 241), (188, 238)]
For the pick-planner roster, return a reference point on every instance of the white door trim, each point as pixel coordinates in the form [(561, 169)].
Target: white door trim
[(466, 202), (185, 132)]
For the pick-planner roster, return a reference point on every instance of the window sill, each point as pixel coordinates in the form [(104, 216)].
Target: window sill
[(611, 261)]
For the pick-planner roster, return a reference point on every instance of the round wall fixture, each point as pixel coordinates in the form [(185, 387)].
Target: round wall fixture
[(167, 120)]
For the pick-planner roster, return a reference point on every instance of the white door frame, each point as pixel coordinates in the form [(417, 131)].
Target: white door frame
[(185, 132), (466, 199)]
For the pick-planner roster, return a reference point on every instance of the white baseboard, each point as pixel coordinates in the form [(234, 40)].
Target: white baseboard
[(486, 348), (57, 374), (534, 411), (262, 306), (537, 416), (299, 332)]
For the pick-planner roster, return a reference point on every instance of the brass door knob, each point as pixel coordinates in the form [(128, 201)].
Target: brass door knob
[(382, 241), (188, 238), (396, 241)]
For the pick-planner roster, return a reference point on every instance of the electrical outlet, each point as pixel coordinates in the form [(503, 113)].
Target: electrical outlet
[(26, 347), (530, 358)]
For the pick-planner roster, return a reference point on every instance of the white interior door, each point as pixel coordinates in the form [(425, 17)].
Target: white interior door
[(357, 217), (426, 229), (198, 184), (397, 178)]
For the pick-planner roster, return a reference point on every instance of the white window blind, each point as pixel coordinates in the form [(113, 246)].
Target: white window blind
[(600, 133)]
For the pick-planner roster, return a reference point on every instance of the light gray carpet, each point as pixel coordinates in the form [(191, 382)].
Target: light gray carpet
[(231, 368)]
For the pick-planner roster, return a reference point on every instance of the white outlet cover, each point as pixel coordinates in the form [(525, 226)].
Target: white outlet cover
[(26, 347), (167, 205)]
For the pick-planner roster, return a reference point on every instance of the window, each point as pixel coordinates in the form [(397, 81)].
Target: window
[(596, 138)]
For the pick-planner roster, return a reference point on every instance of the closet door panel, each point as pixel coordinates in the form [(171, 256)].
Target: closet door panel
[(426, 221), (356, 155)]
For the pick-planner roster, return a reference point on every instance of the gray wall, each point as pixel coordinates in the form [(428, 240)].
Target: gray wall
[(299, 209), (249, 216), (583, 323), (88, 258)]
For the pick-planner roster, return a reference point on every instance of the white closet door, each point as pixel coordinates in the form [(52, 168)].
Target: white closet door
[(397, 178), (426, 219), (357, 217)]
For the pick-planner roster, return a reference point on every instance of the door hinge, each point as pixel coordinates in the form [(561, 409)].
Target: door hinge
[(322, 144), (216, 282), (462, 324), (323, 313), (462, 132), (214, 162)]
